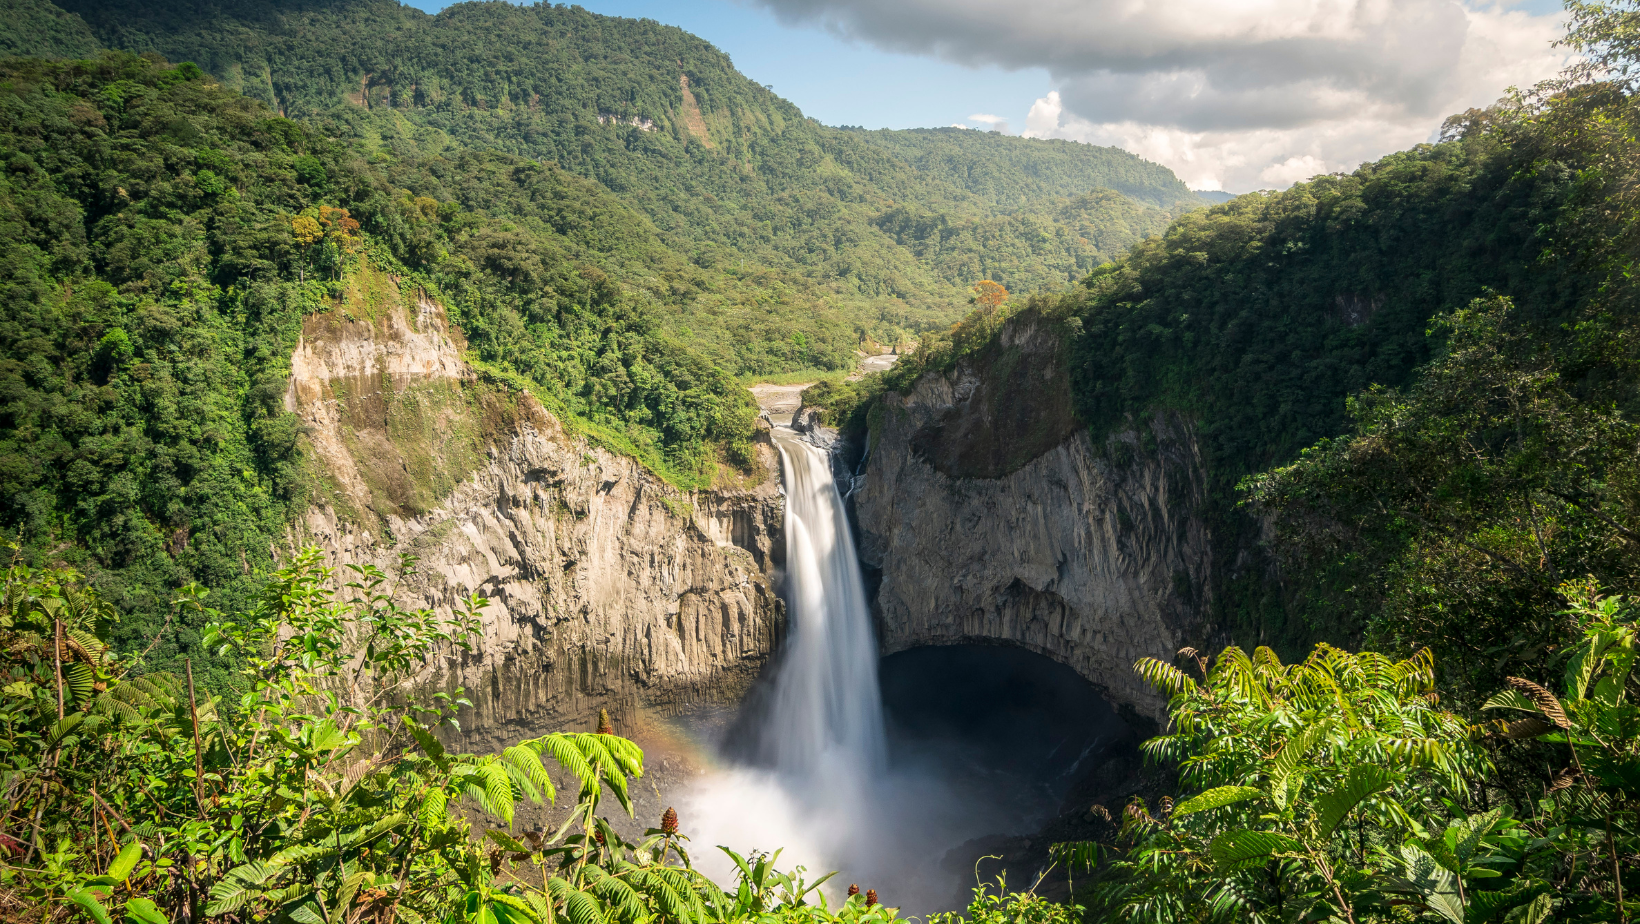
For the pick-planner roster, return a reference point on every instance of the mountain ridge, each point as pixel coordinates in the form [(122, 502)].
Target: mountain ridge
[(601, 97)]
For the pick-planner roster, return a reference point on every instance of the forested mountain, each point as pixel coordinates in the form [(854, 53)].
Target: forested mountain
[(793, 220), (163, 239), (1011, 172), (1257, 321), (607, 208)]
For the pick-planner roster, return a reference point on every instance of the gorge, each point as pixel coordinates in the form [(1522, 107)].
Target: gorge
[(609, 590), (931, 506)]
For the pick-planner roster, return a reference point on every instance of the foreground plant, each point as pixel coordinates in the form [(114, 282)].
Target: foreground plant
[(322, 795), (1338, 789)]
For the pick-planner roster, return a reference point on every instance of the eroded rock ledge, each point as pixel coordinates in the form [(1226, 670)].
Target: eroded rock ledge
[(1092, 555), (608, 587)]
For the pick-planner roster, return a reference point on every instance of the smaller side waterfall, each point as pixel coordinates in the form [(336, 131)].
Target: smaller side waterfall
[(824, 731)]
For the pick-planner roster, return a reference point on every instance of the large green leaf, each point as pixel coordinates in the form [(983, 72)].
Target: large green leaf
[(510, 909), (574, 904), (527, 768), (627, 905), (1216, 798), (434, 809), (242, 884), (1243, 849), (1511, 699), (127, 861), (142, 911), (81, 681), (1286, 770), (506, 841), (1163, 676), (1433, 882), (1363, 782), (428, 743), (90, 905)]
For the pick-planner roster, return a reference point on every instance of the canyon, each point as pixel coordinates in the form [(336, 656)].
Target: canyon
[(611, 589), (984, 523)]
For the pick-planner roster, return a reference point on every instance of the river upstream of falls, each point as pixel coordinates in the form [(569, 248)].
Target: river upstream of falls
[(815, 768)]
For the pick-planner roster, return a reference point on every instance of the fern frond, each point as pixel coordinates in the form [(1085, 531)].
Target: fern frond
[(525, 764), (1164, 677)]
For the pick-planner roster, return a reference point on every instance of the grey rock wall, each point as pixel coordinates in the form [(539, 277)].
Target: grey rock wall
[(1093, 556), (608, 588)]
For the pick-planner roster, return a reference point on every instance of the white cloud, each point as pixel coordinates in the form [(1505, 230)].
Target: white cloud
[(995, 123), (1233, 94)]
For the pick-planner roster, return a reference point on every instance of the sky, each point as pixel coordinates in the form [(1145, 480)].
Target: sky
[(1230, 94)]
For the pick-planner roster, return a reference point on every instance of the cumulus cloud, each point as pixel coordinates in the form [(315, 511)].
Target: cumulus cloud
[(1230, 93), (994, 123)]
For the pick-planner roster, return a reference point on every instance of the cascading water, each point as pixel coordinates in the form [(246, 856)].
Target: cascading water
[(820, 738), (821, 789), (824, 730)]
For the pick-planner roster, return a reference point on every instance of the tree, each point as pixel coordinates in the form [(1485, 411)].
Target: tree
[(1606, 37), (989, 295), (1339, 789), (1300, 773), (1458, 506)]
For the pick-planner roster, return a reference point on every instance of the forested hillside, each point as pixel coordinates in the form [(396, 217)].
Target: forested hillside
[(1010, 172), (1257, 319), (1274, 323), (796, 221), (163, 239)]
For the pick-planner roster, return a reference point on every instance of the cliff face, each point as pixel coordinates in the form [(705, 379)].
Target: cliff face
[(1092, 555), (607, 587)]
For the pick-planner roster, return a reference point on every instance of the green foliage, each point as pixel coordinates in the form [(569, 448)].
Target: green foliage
[(39, 28), (1010, 171), (324, 793), (782, 215), (999, 906), (145, 329), (1336, 789), (1457, 505), (1255, 319), (163, 240)]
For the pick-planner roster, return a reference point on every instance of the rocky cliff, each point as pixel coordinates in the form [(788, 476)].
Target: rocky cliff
[(993, 517), (607, 587)]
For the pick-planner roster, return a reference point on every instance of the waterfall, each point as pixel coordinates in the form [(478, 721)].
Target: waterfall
[(824, 730), (818, 783), (815, 792)]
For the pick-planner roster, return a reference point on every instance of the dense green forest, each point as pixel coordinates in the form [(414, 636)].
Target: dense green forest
[(786, 217), (1012, 172), (164, 236)]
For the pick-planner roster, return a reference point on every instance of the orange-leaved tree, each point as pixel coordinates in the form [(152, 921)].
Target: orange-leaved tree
[(989, 295)]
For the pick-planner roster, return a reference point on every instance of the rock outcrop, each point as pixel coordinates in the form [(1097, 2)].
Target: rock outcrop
[(993, 517), (607, 587)]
